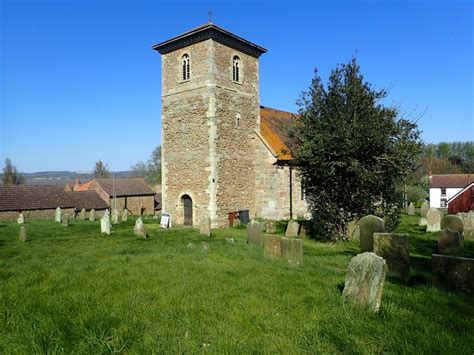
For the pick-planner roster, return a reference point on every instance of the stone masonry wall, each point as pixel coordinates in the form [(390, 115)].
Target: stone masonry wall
[(134, 204), (45, 214)]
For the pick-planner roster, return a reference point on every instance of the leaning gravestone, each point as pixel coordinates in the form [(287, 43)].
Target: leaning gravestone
[(395, 249), (205, 227), (125, 215), (65, 220), (292, 229), (254, 232), (433, 220), (272, 247), (82, 214), (21, 219), (411, 209), (57, 215), (115, 216), (449, 241), (105, 224), (365, 279), (369, 225), (92, 215), (452, 222), (453, 272), (425, 206), (292, 250), (22, 235), (139, 228), (270, 227)]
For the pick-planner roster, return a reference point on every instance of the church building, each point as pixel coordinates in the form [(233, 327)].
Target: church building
[(221, 150)]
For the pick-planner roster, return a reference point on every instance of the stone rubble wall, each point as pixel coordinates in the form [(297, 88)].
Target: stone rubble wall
[(134, 203), (45, 214)]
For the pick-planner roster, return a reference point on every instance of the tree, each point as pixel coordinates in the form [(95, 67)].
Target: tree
[(11, 176), (151, 171), (352, 152), (101, 170)]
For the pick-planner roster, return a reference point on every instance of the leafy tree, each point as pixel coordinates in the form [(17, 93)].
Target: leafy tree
[(151, 171), (101, 170), (11, 176), (352, 151)]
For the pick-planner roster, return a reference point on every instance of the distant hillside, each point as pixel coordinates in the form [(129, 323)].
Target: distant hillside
[(62, 177)]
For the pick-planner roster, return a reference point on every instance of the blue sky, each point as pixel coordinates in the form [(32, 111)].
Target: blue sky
[(79, 81)]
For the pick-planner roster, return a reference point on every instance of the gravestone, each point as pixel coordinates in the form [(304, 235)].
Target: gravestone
[(292, 229), (369, 225), (468, 221), (272, 248), (92, 215), (230, 240), (303, 232), (365, 279), (270, 227), (452, 222), (449, 241), (254, 232), (205, 226), (425, 206), (57, 215), (21, 219), (292, 250), (433, 220), (353, 231), (395, 249), (125, 215), (411, 209), (22, 235), (422, 221), (65, 220), (452, 272), (115, 216), (205, 246), (105, 224), (139, 228), (82, 214)]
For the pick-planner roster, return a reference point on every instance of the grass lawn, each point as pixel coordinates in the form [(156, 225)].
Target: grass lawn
[(71, 289)]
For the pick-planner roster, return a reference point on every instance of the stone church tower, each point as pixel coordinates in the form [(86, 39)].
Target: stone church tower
[(210, 115)]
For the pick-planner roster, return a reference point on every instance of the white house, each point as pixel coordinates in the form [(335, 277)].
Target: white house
[(445, 186)]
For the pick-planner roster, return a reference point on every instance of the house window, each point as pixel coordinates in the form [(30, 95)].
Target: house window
[(185, 67), (236, 69), (443, 192), (443, 203)]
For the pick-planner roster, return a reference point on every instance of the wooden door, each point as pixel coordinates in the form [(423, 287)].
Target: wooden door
[(188, 210)]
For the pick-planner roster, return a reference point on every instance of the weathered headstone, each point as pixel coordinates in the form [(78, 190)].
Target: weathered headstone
[(254, 232), (270, 227), (425, 206), (453, 272), (92, 215), (82, 214), (205, 226), (272, 248), (433, 220), (21, 219), (365, 279), (395, 249), (449, 241), (292, 250), (65, 220), (115, 216), (468, 221), (292, 229), (422, 221), (105, 224), (22, 235), (369, 225), (125, 215), (57, 215), (230, 240), (139, 228), (453, 222), (353, 231), (411, 209)]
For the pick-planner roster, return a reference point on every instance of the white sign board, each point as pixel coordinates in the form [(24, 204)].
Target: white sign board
[(165, 220)]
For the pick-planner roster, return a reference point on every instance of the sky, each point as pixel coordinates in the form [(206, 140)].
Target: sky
[(79, 81)]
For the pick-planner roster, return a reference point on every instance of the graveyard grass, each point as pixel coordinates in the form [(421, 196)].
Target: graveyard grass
[(71, 289)]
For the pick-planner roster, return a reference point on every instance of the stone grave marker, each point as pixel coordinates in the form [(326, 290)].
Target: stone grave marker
[(139, 228), (82, 214), (205, 226), (452, 272), (292, 229), (92, 215), (230, 240), (105, 224), (395, 249), (425, 206), (254, 232), (125, 215), (21, 219), (452, 222), (449, 241), (292, 250), (270, 227), (365, 279), (22, 235), (433, 220), (353, 231), (369, 225), (411, 209), (57, 215), (65, 220), (272, 247), (115, 216)]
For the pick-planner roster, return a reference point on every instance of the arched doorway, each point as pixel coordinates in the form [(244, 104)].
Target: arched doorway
[(188, 210)]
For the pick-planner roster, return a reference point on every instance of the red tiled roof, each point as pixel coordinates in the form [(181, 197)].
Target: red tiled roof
[(451, 180), (85, 186), (88, 200), (275, 126), (33, 197)]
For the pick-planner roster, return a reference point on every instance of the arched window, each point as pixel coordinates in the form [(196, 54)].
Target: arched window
[(185, 66), (236, 69)]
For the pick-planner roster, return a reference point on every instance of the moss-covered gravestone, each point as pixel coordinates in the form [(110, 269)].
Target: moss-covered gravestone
[(115, 216), (82, 214), (270, 227), (125, 215), (453, 222), (353, 231), (254, 232), (452, 272), (139, 228), (205, 227), (22, 235), (292, 229), (411, 209), (365, 279), (395, 249), (425, 206), (369, 225), (449, 241), (292, 250), (92, 215), (65, 220), (272, 247), (433, 220)]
